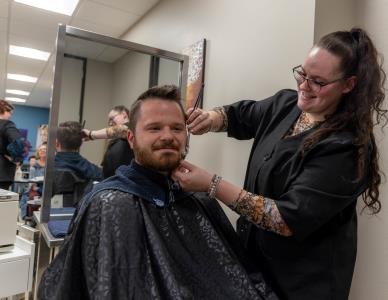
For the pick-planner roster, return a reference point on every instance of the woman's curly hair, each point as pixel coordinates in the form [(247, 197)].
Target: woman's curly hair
[(360, 109)]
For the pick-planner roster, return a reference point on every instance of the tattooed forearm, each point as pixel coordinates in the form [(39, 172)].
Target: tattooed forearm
[(261, 211), (117, 131)]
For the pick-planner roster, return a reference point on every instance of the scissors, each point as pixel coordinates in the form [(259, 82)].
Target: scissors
[(198, 101)]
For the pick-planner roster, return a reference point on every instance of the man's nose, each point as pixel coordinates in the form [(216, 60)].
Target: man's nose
[(167, 134)]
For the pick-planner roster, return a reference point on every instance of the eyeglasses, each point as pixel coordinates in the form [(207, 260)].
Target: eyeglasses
[(314, 85)]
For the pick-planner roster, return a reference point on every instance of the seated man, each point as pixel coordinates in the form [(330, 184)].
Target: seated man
[(68, 143), (139, 236)]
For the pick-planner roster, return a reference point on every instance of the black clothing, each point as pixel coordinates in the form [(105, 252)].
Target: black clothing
[(138, 236), (315, 194), (9, 139), (117, 154)]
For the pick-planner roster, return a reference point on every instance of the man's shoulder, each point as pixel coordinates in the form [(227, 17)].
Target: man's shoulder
[(111, 196)]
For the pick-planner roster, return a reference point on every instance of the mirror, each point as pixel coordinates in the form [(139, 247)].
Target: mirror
[(94, 73)]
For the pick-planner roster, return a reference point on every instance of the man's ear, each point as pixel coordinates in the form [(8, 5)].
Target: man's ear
[(130, 137), (350, 83)]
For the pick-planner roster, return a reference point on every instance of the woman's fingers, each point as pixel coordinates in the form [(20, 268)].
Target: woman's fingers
[(191, 177), (199, 121)]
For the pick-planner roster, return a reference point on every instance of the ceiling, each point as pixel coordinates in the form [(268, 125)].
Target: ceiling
[(27, 26)]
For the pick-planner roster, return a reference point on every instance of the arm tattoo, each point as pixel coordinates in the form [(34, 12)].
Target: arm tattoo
[(261, 211), (117, 131), (223, 126)]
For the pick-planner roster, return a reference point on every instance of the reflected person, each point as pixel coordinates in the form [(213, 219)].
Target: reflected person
[(67, 157), (11, 145), (138, 236), (118, 151)]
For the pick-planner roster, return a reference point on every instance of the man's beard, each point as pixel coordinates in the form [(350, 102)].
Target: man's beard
[(164, 163)]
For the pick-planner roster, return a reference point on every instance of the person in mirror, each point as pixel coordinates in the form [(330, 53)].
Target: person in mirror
[(138, 236), (34, 189), (314, 153), (118, 152), (11, 145), (31, 161), (67, 157)]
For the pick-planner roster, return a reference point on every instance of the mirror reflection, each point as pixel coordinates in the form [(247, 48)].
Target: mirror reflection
[(96, 80)]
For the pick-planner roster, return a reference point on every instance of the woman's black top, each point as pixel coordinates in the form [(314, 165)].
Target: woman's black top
[(316, 195), (118, 153), (11, 146)]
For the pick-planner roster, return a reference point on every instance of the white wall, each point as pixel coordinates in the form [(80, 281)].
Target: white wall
[(97, 104), (333, 15), (70, 90), (169, 72), (252, 46), (370, 279), (130, 78)]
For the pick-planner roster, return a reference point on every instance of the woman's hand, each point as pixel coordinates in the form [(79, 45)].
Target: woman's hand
[(85, 133), (200, 121), (192, 178)]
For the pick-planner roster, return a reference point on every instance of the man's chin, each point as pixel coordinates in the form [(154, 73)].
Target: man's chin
[(162, 165)]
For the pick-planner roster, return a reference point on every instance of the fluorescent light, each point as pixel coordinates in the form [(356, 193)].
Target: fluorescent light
[(17, 92), (13, 99), (29, 52), (22, 77), (65, 7)]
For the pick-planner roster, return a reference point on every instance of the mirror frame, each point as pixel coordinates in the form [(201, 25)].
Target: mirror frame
[(63, 31)]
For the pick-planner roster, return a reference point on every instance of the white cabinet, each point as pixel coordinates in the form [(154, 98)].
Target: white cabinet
[(16, 268)]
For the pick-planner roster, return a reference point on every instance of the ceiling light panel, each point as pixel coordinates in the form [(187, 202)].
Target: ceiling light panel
[(17, 92), (65, 7), (29, 52), (13, 99), (21, 77)]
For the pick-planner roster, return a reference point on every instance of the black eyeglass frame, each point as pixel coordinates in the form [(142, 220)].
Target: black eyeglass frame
[(320, 84)]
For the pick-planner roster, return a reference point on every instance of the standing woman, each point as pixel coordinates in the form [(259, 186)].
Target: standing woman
[(313, 155), (11, 145)]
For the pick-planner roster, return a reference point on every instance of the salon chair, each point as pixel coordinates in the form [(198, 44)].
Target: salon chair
[(71, 188)]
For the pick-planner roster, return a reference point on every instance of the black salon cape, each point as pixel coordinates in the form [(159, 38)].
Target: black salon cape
[(316, 196), (165, 245)]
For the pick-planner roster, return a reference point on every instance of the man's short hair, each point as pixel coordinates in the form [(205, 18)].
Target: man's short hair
[(69, 135), (121, 109), (163, 92)]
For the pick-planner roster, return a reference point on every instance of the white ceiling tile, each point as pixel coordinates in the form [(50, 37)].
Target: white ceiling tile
[(98, 28), (32, 32), (40, 96), (27, 66), (27, 41), (83, 48), (18, 85), (37, 16), (138, 7), (4, 9), (32, 27), (104, 15)]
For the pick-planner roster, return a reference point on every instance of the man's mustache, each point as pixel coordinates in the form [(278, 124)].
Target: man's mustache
[(166, 145)]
